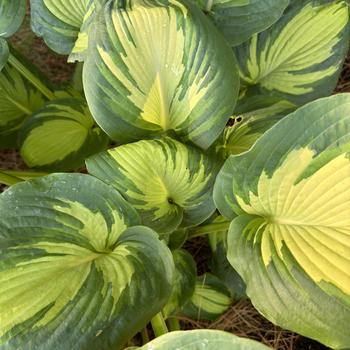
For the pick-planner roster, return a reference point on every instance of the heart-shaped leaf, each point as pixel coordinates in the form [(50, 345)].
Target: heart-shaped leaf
[(291, 240), (240, 19), (64, 24), (299, 57), (210, 299), (159, 66), (60, 136), (202, 340), (18, 100), (73, 273), (170, 184)]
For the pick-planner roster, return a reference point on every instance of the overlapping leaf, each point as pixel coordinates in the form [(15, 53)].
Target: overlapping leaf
[(299, 57), (60, 136), (220, 266), (249, 126), (11, 16), (64, 24), (202, 340), (73, 273), (238, 20), (159, 66), (18, 100), (210, 299), (184, 282), (291, 240), (170, 184)]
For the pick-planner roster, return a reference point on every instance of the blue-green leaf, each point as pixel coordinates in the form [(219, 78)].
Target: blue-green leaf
[(299, 57), (74, 271), (184, 282), (238, 20), (169, 183), (291, 239), (64, 24), (12, 13), (159, 66), (202, 340)]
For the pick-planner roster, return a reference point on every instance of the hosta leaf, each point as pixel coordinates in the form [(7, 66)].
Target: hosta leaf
[(291, 243), (300, 56), (184, 282), (64, 24), (177, 238), (202, 340), (167, 182), (240, 19), (210, 299), (159, 66), (220, 266), (73, 273), (60, 136), (11, 16), (249, 126), (18, 100)]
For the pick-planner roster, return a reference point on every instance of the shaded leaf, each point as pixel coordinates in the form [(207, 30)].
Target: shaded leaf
[(60, 136)]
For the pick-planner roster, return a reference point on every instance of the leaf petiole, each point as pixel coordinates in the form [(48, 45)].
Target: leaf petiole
[(9, 180), (24, 175), (207, 229), (173, 324), (35, 81), (159, 326)]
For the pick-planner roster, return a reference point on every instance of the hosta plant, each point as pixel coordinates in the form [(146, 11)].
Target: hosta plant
[(195, 118)]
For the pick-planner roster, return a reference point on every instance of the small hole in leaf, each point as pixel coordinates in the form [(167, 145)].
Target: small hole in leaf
[(239, 119), (170, 200), (231, 122)]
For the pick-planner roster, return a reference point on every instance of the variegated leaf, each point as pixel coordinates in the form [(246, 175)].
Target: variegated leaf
[(64, 24), (248, 127), (299, 57), (210, 299), (18, 100), (74, 274), (60, 136), (184, 282), (238, 20), (170, 184), (220, 266), (159, 66), (291, 240), (202, 340)]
